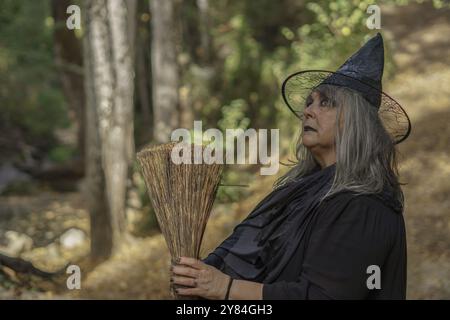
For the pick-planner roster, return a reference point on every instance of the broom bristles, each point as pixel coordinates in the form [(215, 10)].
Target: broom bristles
[(182, 196)]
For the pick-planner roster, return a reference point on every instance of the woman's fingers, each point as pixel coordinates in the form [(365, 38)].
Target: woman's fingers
[(198, 278), (192, 262), (189, 291), (185, 281), (192, 273), (185, 271)]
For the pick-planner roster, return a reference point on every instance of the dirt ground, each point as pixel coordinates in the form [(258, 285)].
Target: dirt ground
[(422, 56), (421, 51)]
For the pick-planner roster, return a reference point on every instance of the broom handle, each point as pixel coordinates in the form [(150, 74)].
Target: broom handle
[(234, 185)]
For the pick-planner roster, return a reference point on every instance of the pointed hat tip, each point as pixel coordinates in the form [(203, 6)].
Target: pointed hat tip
[(375, 41), (378, 37)]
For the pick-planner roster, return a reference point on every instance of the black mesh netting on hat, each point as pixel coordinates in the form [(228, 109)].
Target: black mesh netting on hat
[(298, 86)]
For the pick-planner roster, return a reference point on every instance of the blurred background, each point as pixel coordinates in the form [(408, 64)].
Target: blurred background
[(78, 98)]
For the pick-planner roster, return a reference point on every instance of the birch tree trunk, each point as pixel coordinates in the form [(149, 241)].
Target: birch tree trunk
[(94, 184), (165, 75), (110, 76)]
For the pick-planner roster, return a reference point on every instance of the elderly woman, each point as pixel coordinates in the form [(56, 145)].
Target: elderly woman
[(332, 228)]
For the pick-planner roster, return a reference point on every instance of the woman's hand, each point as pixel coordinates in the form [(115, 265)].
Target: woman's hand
[(204, 280)]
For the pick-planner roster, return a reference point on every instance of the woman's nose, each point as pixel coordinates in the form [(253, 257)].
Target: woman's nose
[(308, 112)]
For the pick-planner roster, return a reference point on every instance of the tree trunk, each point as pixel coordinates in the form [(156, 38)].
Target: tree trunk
[(143, 88), (110, 81), (203, 8), (94, 190), (69, 58), (165, 77), (117, 135)]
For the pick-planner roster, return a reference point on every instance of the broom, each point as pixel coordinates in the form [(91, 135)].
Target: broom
[(182, 196)]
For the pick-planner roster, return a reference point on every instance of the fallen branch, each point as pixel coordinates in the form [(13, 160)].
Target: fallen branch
[(22, 266)]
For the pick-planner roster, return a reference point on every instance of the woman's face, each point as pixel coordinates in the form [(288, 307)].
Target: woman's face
[(319, 125)]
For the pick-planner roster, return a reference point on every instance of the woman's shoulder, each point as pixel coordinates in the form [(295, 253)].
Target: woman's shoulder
[(364, 212), (368, 202), (365, 208)]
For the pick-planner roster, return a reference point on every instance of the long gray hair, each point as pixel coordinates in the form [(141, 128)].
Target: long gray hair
[(365, 153)]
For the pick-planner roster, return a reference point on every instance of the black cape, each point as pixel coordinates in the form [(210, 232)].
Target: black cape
[(304, 248)]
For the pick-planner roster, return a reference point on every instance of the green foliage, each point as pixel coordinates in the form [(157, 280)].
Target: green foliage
[(439, 4), (61, 153), (234, 188), (30, 94), (257, 44), (233, 115)]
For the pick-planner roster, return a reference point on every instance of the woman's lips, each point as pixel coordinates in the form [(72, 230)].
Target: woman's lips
[(308, 128)]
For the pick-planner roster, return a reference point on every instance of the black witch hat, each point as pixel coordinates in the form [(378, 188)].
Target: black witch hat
[(362, 72)]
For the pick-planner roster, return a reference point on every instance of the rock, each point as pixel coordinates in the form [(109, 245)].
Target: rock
[(9, 175), (17, 243), (72, 238), (53, 251)]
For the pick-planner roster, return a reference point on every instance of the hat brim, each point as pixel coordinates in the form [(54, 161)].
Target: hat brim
[(298, 86)]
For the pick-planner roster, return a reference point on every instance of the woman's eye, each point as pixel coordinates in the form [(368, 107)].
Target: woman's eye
[(324, 102)]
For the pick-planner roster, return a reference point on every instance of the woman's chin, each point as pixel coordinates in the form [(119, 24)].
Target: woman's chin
[(308, 142)]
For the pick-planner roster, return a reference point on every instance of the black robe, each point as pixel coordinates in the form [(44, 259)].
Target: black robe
[(302, 248)]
